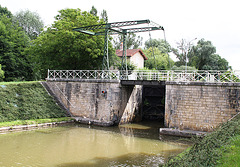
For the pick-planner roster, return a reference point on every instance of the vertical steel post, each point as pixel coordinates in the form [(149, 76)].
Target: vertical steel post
[(124, 68), (105, 65)]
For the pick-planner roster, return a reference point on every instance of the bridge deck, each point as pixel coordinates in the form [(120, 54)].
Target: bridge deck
[(142, 82)]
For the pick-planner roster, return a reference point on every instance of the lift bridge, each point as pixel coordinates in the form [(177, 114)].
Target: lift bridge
[(118, 28), (135, 77)]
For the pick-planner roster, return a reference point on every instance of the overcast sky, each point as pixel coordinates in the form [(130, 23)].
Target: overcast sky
[(213, 20)]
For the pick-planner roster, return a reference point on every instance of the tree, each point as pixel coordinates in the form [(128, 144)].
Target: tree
[(93, 11), (30, 22), (182, 51), (61, 48), (104, 16), (13, 41), (5, 11), (133, 41), (159, 61), (182, 68), (161, 44), (203, 56)]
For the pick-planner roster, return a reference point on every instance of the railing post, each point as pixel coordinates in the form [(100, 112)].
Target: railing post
[(73, 73), (167, 75), (80, 74), (48, 74), (118, 75), (54, 75)]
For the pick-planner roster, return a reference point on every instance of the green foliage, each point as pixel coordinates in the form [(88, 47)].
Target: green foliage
[(1, 73), (5, 11), (13, 41), (133, 41), (27, 101), (104, 16), (93, 11), (229, 77), (130, 66), (61, 48), (182, 51), (203, 56), (182, 68), (207, 151), (158, 60), (30, 22), (161, 44)]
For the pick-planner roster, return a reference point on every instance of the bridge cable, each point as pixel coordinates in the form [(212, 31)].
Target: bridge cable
[(152, 47), (167, 49)]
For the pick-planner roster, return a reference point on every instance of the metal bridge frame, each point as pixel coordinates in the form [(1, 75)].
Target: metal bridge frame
[(116, 28)]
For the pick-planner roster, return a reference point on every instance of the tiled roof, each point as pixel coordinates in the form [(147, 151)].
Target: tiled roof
[(131, 52)]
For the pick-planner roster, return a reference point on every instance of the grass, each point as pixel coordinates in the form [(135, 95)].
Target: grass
[(26, 101), (20, 82), (231, 157), (209, 150), (35, 121)]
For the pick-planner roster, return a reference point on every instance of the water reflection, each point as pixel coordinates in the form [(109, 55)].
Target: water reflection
[(86, 146)]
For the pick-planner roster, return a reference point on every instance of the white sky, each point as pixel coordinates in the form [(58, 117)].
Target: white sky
[(213, 20)]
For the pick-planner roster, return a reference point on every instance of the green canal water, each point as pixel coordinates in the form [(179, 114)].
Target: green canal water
[(85, 146)]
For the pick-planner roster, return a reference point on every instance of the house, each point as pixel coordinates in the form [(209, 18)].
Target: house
[(135, 56)]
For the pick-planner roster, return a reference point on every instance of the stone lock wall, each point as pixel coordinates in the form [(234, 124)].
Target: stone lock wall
[(200, 106), (98, 101)]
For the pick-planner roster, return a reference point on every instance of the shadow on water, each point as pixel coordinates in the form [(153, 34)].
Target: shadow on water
[(148, 129), (124, 160)]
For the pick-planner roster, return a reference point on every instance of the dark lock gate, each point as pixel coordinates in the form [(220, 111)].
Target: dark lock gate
[(153, 102)]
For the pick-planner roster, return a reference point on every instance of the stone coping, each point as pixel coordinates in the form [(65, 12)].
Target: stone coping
[(32, 126), (182, 133), (83, 80), (94, 122), (235, 84)]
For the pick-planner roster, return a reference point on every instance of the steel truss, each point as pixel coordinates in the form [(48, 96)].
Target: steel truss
[(116, 28)]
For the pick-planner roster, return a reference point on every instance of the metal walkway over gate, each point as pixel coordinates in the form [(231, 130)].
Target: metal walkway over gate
[(139, 75)]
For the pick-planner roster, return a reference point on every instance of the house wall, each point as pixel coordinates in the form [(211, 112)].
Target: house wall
[(137, 60)]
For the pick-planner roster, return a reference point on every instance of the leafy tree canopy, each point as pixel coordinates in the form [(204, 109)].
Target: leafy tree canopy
[(5, 11), (161, 44), (159, 61), (30, 22), (13, 41), (104, 16), (93, 11), (59, 47), (203, 56), (133, 41), (182, 51), (182, 68)]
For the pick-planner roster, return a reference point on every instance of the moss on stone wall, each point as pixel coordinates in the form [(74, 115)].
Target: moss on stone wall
[(23, 101)]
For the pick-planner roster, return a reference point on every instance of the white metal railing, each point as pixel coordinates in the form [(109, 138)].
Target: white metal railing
[(185, 76)]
